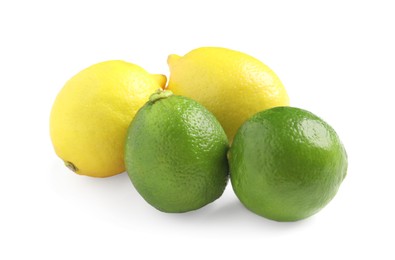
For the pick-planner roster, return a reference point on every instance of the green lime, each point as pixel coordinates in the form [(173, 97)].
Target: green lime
[(176, 153), (286, 163)]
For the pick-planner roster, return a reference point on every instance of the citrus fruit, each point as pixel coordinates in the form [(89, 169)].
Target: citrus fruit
[(230, 84), (286, 163), (92, 112), (175, 153)]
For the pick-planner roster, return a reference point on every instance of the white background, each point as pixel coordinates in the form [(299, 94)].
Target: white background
[(336, 59)]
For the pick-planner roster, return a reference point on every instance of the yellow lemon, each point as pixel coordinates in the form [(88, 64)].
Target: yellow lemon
[(91, 114), (232, 85)]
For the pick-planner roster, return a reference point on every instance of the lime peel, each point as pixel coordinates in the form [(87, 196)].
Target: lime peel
[(159, 94)]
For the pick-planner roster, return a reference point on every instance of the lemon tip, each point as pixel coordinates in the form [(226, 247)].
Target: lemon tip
[(160, 79), (172, 58)]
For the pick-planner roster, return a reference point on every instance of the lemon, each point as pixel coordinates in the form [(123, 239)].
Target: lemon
[(230, 84), (175, 153), (92, 112), (286, 163)]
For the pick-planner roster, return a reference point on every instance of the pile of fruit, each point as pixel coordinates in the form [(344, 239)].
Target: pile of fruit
[(222, 113)]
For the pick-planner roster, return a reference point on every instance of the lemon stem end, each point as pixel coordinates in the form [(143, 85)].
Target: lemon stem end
[(71, 166)]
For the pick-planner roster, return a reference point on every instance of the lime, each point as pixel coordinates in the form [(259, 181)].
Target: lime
[(176, 153), (286, 163)]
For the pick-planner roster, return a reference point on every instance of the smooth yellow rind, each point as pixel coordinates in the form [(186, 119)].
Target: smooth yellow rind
[(231, 84), (92, 112)]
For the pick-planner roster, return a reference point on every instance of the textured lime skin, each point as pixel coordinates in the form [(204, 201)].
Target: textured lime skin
[(176, 154), (286, 164)]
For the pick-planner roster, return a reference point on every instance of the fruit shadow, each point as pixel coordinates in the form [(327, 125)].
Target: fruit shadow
[(117, 195), (231, 213)]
